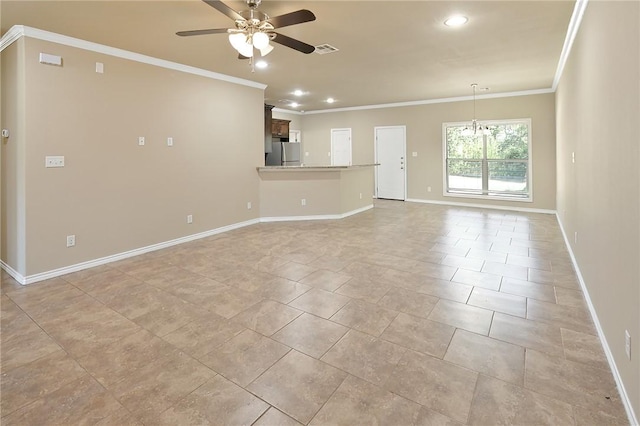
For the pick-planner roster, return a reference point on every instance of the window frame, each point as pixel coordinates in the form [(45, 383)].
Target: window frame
[(460, 194)]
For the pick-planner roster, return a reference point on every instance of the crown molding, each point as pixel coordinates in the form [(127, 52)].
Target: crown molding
[(433, 101), (18, 31), (572, 32)]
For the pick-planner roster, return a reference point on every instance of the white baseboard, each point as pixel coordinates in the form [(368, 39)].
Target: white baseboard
[(30, 279), (482, 206), (315, 217), (633, 420)]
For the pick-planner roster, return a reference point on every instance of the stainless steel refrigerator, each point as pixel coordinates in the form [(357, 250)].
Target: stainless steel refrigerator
[(284, 154)]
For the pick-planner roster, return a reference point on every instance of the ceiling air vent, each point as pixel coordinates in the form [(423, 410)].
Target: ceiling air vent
[(323, 49)]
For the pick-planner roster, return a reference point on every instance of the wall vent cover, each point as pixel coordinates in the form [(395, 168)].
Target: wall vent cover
[(323, 49)]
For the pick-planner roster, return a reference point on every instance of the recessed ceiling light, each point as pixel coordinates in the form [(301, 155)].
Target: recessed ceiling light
[(456, 21), (298, 92), (330, 100), (294, 105), (261, 64)]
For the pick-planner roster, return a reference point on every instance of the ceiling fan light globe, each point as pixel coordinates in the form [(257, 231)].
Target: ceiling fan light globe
[(237, 40), (266, 50), (260, 40), (246, 50)]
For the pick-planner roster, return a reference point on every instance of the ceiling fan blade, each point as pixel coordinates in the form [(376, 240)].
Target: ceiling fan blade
[(293, 43), (241, 56), (293, 18), (223, 8), (202, 32)]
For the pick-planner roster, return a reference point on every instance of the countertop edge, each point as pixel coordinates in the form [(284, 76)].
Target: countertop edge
[(312, 168)]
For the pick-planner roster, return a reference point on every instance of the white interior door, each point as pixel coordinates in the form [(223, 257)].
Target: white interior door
[(390, 153), (340, 147)]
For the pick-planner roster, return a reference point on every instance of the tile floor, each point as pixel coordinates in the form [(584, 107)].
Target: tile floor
[(406, 314)]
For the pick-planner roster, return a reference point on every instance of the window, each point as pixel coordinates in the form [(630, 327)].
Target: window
[(494, 165)]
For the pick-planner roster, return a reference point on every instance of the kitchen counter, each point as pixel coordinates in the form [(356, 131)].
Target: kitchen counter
[(311, 168), (315, 192)]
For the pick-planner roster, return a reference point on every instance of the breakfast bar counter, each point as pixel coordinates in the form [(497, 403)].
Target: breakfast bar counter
[(315, 192)]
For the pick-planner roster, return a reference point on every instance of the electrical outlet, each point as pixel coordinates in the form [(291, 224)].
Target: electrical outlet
[(627, 344), (169, 141), (573, 157), (54, 161), (575, 237), (428, 189), (189, 218), (306, 154), (329, 154), (71, 240), (361, 195), (303, 202), (414, 154), (141, 141), (99, 67), (249, 205)]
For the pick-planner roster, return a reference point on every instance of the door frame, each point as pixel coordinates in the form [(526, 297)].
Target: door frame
[(350, 144), (404, 153)]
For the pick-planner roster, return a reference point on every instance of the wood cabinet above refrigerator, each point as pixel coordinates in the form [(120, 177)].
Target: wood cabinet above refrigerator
[(280, 128)]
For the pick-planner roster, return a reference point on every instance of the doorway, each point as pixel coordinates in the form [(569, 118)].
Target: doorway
[(390, 154), (340, 147)]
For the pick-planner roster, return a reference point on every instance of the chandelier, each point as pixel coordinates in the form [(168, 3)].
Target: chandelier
[(476, 129)]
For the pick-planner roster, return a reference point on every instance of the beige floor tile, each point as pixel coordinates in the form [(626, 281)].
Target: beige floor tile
[(82, 401), (512, 271), (331, 263), (487, 255), (364, 289), (153, 388), (293, 271), (572, 382), (488, 356), (428, 417), (463, 316), (409, 302), (310, 335), (577, 319), (325, 279), (529, 334), (298, 385), (589, 416), (75, 277), (427, 285), (428, 269), (203, 335), (450, 249), (22, 340), (583, 348), (477, 279), (320, 302), (419, 334), (498, 301), (218, 401), (273, 417), (117, 361), (363, 270), (499, 403), (463, 262), (507, 248), (365, 356), (281, 290), (303, 256), (121, 417), (244, 357), (29, 382), (569, 297), (529, 262), (230, 302), (267, 317), (357, 402), (528, 289), (365, 317), (438, 385)]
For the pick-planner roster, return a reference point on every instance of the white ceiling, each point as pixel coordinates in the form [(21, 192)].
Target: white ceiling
[(390, 51)]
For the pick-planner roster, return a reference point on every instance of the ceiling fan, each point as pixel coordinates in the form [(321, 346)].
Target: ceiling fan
[(255, 29)]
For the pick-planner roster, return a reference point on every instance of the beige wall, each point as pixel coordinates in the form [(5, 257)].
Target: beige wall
[(598, 105), (112, 194), (13, 157), (424, 136)]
